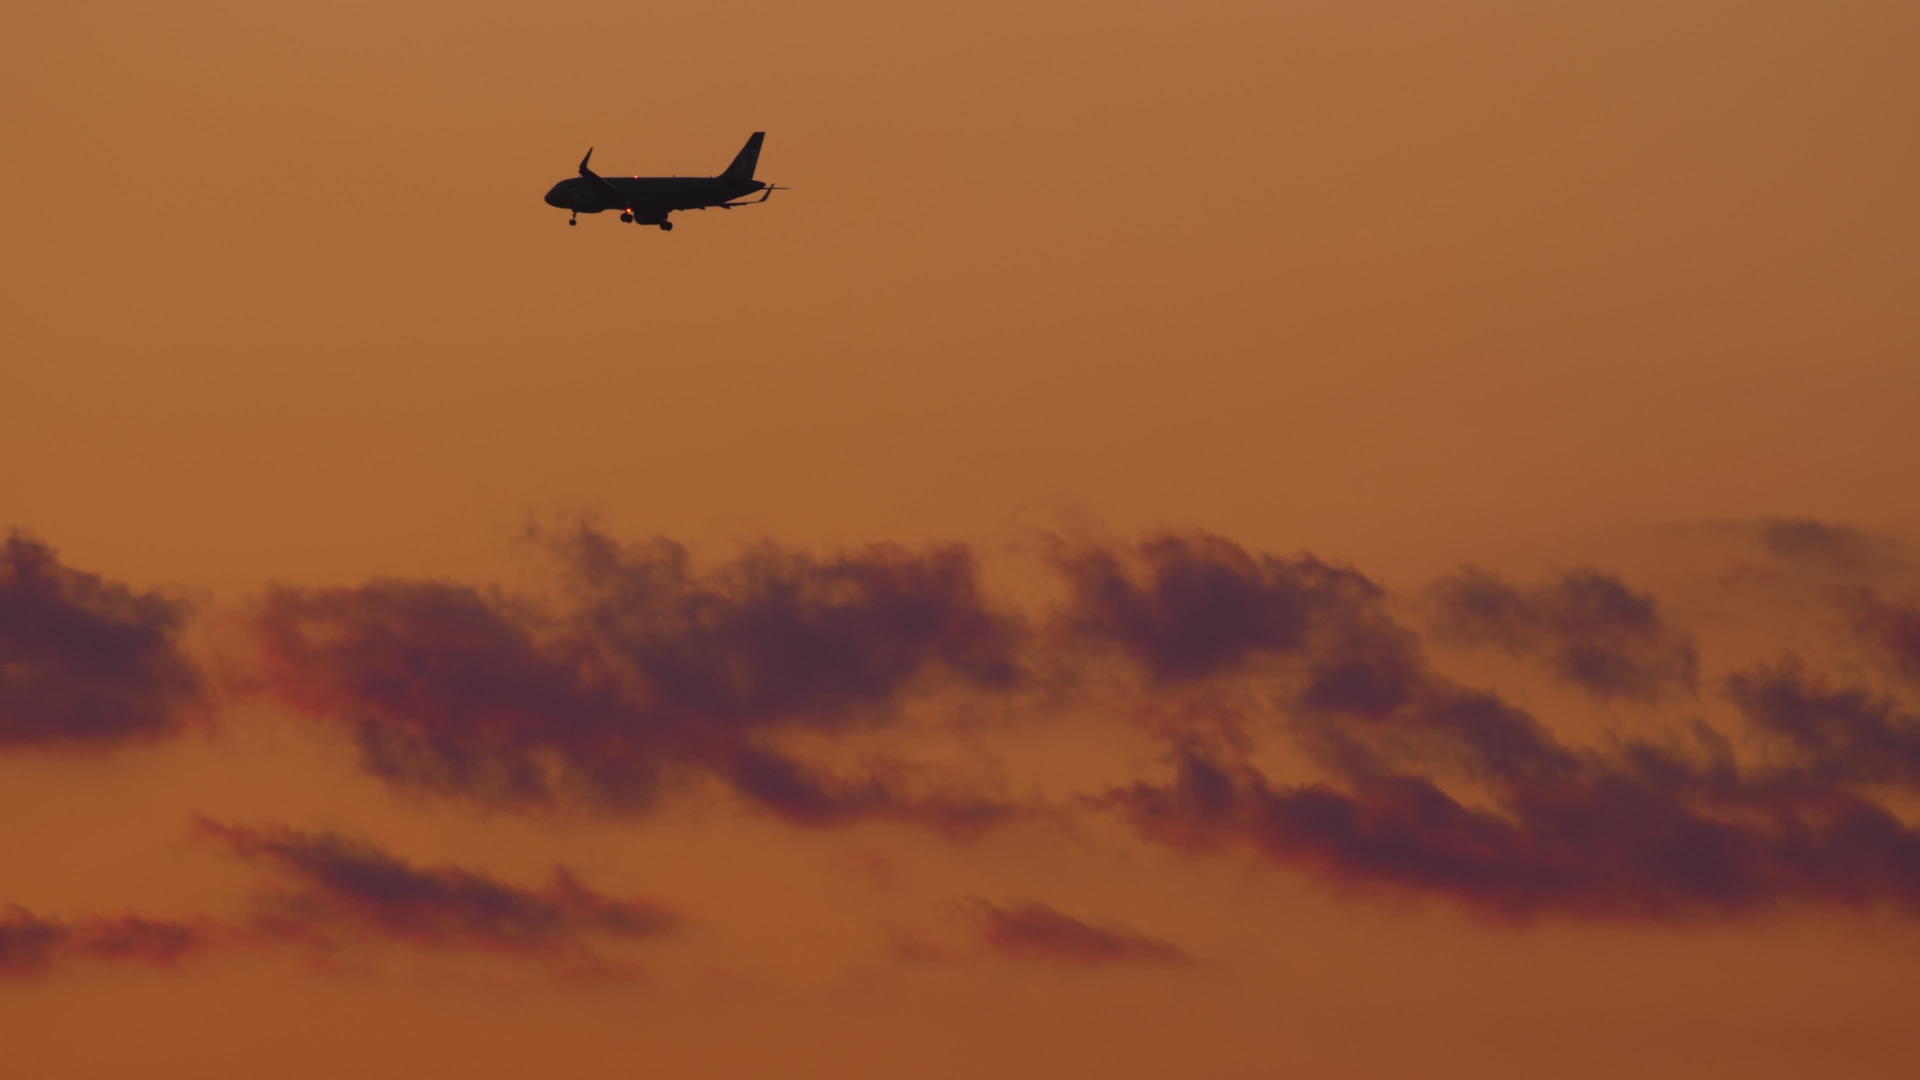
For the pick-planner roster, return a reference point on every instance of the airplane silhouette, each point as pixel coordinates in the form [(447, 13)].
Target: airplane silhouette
[(647, 200)]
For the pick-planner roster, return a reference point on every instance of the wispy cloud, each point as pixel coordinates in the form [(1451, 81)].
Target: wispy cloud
[(1835, 734), (328, 893), (1591, 629), (1649, 832), (1028, 930), (1823, 545), (1891, 631), (330, 888), (31, 945)]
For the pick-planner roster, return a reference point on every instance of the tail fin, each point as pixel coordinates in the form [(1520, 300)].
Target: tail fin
[(748, 157)]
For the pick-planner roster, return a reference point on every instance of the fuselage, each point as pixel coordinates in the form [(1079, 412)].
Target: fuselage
[(647, 197)]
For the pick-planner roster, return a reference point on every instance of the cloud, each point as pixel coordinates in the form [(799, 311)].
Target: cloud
[(83, 660), (30, 945), (1824, 545), (651, 674), (1433, 725), (1422, 786), (1645, 833), (1835, 734), (1593, 631), (1031, 931), (332, 888), (779, 634), (330, 892), (1188, 607), (1891, 630), (449, 689), (882, 791)]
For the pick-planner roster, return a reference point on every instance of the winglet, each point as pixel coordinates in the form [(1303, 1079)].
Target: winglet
[(584, 171)]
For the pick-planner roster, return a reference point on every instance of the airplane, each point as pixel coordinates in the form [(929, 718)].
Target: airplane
[(647, 200)]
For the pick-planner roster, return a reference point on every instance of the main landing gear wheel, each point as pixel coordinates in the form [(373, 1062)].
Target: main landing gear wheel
[(666, 226), (624, 216)]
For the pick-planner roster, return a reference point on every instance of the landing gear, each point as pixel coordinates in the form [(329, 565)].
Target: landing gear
[(575, 219), (624, 216), (666, 226)]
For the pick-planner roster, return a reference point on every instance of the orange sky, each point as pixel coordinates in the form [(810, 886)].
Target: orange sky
[(1408, 286)]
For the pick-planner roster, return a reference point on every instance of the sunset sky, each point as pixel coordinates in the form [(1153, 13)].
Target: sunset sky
[(1216, 539)]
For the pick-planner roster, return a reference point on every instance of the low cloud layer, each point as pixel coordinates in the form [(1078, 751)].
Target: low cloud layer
[(1333, 743), (83, 660)]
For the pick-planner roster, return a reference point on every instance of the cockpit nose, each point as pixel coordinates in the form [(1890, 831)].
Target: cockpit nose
[(555, 195)]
